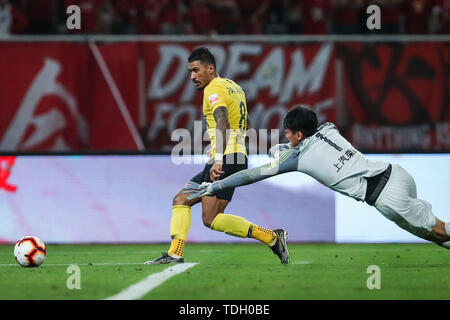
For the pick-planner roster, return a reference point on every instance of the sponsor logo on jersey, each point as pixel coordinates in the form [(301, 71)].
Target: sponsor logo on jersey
[(213, 98)]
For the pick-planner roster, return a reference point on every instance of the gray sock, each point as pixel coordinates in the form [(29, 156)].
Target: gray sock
[(446, 245)]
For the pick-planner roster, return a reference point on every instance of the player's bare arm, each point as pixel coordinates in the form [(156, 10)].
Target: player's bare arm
[(222, 135)]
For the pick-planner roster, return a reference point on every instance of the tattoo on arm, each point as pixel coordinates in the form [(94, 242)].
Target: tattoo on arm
[(222, 128)]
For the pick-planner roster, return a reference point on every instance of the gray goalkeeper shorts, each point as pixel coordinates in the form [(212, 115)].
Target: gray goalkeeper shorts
[(398, 202)]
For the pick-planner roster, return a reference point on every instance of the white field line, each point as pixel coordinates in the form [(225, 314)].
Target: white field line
[(141, 288), (301, 262)]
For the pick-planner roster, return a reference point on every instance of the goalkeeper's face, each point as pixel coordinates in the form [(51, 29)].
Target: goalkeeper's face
[(293, 137), (201, 74)]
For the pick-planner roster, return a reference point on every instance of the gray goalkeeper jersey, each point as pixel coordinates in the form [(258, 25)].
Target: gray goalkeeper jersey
[(326, 156), (332, 160)]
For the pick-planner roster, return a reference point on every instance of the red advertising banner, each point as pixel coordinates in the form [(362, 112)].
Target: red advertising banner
[(58, 96), (274, 78), (62, 96), (397, 95), (55, 96)]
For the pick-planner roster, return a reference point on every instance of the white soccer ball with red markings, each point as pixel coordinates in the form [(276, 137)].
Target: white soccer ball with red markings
[(30, 251)]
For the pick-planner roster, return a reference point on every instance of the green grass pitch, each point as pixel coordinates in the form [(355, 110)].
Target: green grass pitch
[(235, 272)]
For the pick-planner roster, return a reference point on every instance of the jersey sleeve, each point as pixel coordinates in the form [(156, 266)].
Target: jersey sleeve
[(287, 162), (216, 96)]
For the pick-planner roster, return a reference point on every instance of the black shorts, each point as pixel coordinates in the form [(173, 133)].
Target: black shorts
[(233, 163)]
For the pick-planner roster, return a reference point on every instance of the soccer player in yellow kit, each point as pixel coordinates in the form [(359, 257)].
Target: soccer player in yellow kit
[(225, 111)]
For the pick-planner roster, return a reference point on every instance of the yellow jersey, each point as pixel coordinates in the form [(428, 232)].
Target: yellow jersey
[(222, 92)]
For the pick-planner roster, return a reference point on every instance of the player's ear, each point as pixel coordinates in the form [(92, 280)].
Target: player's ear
[(211, 69)]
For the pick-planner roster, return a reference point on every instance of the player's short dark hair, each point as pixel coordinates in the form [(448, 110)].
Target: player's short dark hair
[(301, 118), (203, 55)]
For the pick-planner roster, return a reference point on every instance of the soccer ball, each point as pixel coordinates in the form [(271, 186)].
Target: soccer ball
[(30, 251)]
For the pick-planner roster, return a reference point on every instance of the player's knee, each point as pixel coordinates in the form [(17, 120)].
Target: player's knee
[(442, 236), (439, 239), (439, 234), (208, 219), (179, 200), (207, 222)]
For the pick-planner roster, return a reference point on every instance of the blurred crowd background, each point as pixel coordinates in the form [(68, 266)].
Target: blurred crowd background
[(225, 16)]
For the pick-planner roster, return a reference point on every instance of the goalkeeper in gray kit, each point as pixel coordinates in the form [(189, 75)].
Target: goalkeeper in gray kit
[(322, 153)]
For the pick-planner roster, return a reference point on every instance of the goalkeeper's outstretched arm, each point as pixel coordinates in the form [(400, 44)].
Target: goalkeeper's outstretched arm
[(287, 162)]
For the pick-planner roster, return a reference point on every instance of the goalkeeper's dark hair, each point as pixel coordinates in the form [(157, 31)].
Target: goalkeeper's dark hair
[(301, 118), (203, 55)]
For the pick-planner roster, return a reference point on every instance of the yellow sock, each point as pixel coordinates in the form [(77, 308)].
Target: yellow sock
[(179, 228), (262, 234), (177, 247), (232, 225)]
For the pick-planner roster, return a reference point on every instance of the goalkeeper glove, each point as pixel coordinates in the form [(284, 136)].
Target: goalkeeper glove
[(274, 152), (197, 190)]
